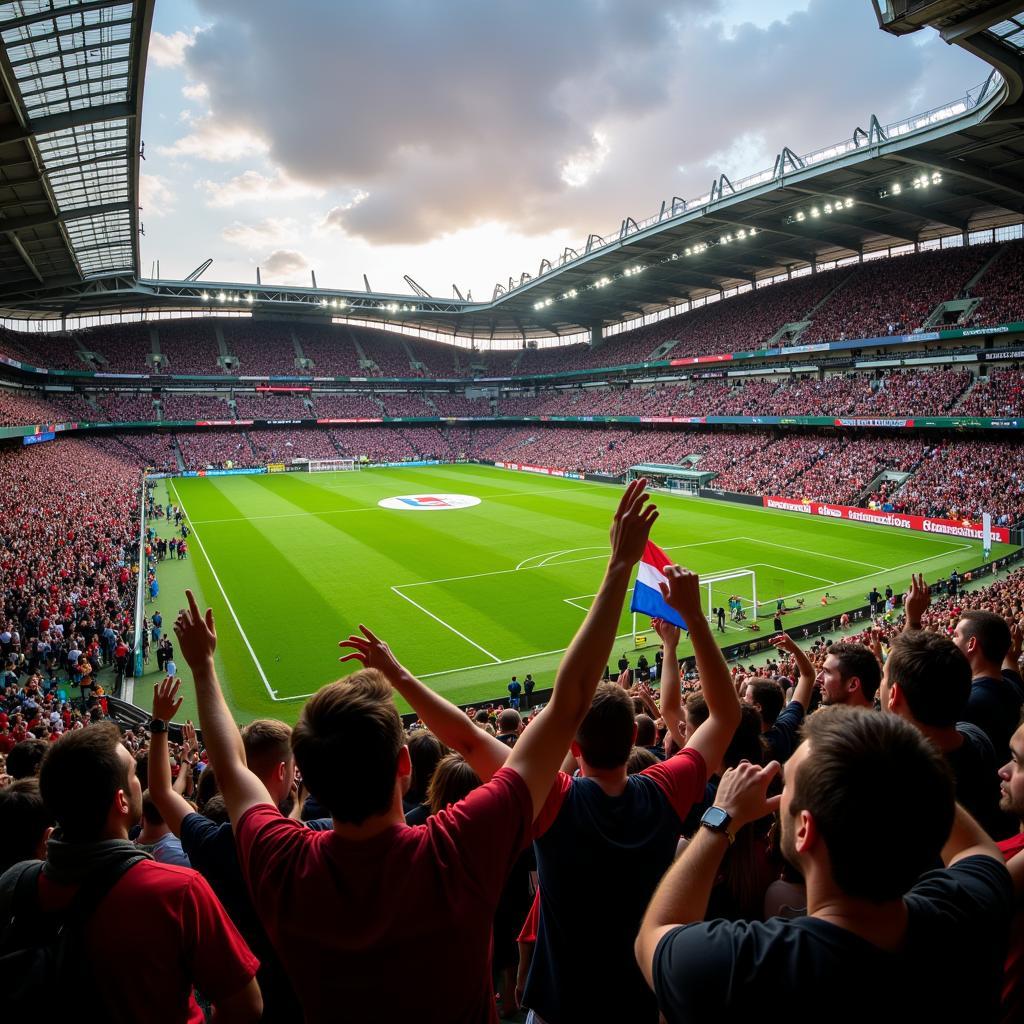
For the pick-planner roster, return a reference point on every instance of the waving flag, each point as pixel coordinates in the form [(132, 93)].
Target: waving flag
[(647, 597)]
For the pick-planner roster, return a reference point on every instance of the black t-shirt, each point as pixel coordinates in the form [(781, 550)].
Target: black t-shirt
[(782, 738), (950, 969), (994, 706), (974, 767)]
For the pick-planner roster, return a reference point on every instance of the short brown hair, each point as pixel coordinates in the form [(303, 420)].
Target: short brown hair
[(860, 661), (452, 780), (881, 796), (80, 776), (24, 820), (933, 675), (346, 744), (606, 733), (991, 630), (267, 744)]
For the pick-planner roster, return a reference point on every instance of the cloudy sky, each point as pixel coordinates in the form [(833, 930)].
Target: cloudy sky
[(460, 142)]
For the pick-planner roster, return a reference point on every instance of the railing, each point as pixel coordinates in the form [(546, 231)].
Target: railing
[(140, 599)]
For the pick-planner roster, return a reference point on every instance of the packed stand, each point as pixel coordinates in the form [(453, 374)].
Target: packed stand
[(330, 350), (260, 348), (19, 408), (190, 408), (214, 449), (406, 405), (271, 407), (286, 445), (346, 407), (1001, 393), (1001, 289), (125, 347), (387, 351), (189, 346)]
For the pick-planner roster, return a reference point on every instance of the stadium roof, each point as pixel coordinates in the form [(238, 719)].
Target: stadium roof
[(71, 77), (952, 169)]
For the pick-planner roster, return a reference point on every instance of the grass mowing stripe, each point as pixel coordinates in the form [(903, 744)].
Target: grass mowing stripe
[(213, 572), (447, 625)]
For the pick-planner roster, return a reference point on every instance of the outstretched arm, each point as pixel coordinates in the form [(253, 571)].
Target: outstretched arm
[(173, 807), (805, 684), (1012, 660), (711, 740), (916, 601), (197, 640), (484, 754), (540, 749), (671, 695), (684, 892)]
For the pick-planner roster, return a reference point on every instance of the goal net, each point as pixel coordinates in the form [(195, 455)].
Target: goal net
[(734, 590), (332, 465)]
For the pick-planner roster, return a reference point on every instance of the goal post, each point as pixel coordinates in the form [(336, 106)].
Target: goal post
[(735, 590), (332, 465)]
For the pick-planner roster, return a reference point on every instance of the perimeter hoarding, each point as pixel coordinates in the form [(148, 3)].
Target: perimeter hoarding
[(900, 520)]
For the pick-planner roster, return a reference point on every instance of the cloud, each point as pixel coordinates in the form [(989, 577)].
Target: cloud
[(252, 186), (215, 140), (544, 117), (156, 197), (284, 266), (263, 234), (169, 51), (196, 91)]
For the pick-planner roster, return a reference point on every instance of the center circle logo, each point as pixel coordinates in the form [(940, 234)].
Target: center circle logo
[(429, 502)]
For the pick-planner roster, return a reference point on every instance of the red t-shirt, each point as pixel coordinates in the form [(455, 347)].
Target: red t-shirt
[(172, 933), (1013, 974), (397, 927)]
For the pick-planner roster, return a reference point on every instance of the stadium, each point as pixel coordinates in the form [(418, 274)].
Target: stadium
[(816, 367)]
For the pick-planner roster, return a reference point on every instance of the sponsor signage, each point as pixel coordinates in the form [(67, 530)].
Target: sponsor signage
[(900, 520), (543, 470), (860, 421), (722, 357), (429, 502), (286, 389), (259, 471), (354, 419), (47, 435)]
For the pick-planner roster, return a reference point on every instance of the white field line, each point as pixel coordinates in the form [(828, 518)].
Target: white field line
[(447, 625), (256, 661), (818, 554), (792, 572)]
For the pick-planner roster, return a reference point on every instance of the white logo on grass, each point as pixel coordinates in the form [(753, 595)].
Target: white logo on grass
[(429, 502)]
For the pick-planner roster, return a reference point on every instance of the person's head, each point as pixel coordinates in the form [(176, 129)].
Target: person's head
[(25, 823), (206, 788), (453, 779), (766, 696), (983, 638), (25, 758), (646, 731), (150, 813), (926, 679), (268, 755), (481, 717), (349, 745), (850, 675), (425, 751), (639, 759), (1011, 776), (606, 734), (510, 722), (89, 785), (867, 800), (216, 810), (695, 714)]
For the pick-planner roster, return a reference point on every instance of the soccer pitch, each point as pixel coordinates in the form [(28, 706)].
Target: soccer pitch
[(469, 596)]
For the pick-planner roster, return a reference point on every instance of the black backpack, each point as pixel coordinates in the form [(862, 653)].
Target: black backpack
[(45, 954)]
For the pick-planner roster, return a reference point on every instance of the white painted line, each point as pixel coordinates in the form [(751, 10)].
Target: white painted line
[(792, 572), (447, 625), (256, 661), (819, 554)]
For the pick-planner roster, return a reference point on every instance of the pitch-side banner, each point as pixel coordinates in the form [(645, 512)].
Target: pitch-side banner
[(947, 527)]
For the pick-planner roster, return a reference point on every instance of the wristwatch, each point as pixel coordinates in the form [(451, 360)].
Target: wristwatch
[(717, 820), (157, 725)]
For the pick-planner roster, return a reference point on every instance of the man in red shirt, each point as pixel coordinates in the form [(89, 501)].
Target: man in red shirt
[(344, 907), (167, 918)]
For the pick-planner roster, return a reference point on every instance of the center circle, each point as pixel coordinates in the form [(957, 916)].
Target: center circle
[(429, 502)]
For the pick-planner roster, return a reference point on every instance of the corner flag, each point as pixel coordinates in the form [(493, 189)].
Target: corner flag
[(647, 597)]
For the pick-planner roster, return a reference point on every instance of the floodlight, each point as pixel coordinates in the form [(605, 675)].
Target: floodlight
[(815, 212), (936, 177), (741, 233), (342, 303), (896, 188), (753, 231), (205, 297), (547, 302), (799, 214), (249, 297), (221, 297), (828, 207), (848, 203)]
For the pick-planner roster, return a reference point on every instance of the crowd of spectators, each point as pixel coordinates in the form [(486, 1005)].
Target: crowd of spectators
[(346, 406), (189, 346), (330, 350), (1002, 299), (215, 449), (260, 348), (1001, 393), (286, 445), (406, 405), (271, 406), (182, 406)]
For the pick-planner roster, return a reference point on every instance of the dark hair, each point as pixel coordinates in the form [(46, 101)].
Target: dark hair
[(425, 751), (216, 810), (639, 759), (933, 676), (267, 744), (509, 720), (881, 796), (150, 814), (991, 630), (25, 758), (606, 733), (696, 708), (858, 660), (350, 730), (769, 696), (80, 777), (453, 779), (23, 820), (646, 731), (746, 743), (206, 788)]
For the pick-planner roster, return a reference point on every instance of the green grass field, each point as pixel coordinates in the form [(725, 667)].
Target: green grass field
[(467, 597)]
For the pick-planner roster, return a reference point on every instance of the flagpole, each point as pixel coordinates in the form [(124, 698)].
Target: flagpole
[(634, 629)]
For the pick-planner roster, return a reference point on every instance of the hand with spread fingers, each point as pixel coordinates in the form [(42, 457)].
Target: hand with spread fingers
[(632, 524), (196, 633), (372, 652), (166, 701)]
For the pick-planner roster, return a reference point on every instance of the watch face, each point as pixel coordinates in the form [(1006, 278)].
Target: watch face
[(715, 817)]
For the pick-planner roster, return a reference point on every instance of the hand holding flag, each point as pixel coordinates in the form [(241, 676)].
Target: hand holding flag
[(663, 590)]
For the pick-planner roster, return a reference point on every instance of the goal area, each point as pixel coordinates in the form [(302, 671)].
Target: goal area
[(734, 590), (332, 465)]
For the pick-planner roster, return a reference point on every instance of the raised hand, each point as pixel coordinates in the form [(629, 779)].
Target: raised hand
[(682, 591), (165, 699), (916, 600), (189, 741), (632, 524), (784, 642), (372, 652), (668, 631), (196, 633), (743, 792)]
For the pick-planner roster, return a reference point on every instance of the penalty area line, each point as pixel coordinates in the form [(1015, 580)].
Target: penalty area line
[(256, 661), (447, 625)]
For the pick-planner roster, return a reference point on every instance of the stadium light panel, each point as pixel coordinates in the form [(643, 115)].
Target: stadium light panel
[(205, 297), (815, 212), (799, 214), (848, 203), (249, 298), (896, 188), (221, 296)]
